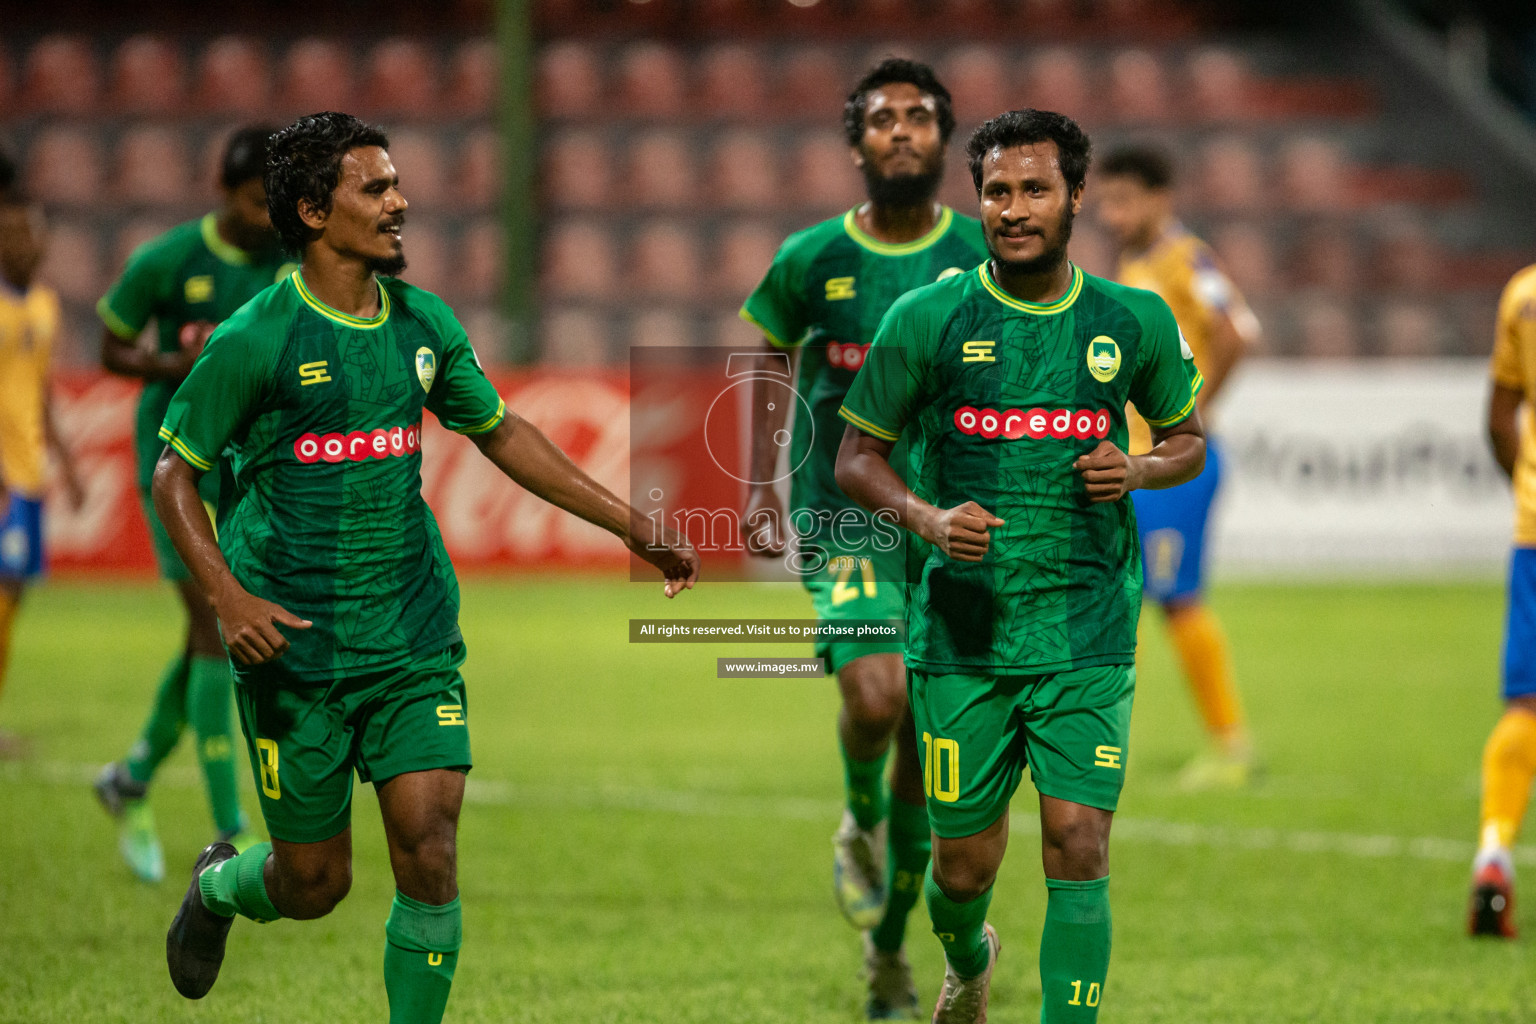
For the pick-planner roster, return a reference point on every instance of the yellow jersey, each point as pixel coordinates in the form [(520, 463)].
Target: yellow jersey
[(1514, 366), (28, 323), (1183, 270)]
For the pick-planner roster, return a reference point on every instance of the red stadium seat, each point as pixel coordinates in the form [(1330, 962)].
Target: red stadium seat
[(418, 158), (1091, 248), (1410, 329), (134, 234), (651, 81), (401, 78), (1055, 79), (480, 260), (473, 78), (664, 262), (660, 171), (148, 76), (742, 171), (746, 249), (316, 76), (729, 330), (1407, 258), (233, 77), (64, 165), (978, 80), (1230, 175), (1327, 330), (1246, 255), (732, 82), (576, 171), (152, 167), (1138, 90), (813, 83), (579, 262), (660, 328), (823, 177), (73, 262), (480, 169), (570, 81), (61, 77), (1315, 175), (426, 251), (1221, 85), (573, 337), (1326, 257)]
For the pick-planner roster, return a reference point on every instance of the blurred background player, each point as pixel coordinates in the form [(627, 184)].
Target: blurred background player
[(186, 280), (822, 300), (29, 315), (1509, 758), (1134, 190)]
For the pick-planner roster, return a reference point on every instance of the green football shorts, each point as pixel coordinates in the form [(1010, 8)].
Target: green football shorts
[(305, 741), (852, 588), (171, 567), (1070, 729)]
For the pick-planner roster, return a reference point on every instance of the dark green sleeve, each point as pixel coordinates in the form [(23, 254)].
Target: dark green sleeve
[(777, 305), (461, 397), (224, 388), (885, 392), (139, 292), (1166, 381)]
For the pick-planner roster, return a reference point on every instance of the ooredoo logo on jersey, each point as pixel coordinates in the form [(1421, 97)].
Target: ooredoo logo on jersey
[(1037, 424), (359, 445)]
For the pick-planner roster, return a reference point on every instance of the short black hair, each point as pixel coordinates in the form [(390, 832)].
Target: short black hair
[(1148, 164), (245, 155), (890, 71), (1027, 127), (304, 163)]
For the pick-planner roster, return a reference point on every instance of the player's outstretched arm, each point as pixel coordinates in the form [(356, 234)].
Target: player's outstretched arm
[(864, 473), (124, 356), (533, 461), (1177, 456), (249, 624)]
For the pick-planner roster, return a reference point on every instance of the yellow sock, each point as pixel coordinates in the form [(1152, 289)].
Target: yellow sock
[(8, 605), (1509, 763), (1202, 648)]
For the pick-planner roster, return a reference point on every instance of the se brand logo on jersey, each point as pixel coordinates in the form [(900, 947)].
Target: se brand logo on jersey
[(1038, 424), (426, 367), (978, 352), (845, 355), (839, 288), (1103, 358), (358, 446), (313, 373), (199, 288)]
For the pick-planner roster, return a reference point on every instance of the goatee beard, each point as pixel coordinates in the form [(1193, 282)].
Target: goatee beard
[(901, 189), (1047, 261), (390, 266)]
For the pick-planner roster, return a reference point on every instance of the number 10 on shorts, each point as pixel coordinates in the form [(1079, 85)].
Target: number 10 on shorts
[(941, 769)]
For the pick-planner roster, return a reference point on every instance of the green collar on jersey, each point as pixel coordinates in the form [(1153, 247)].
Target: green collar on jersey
[(231, 254), (984, 272), (345, 319), (874, 245)]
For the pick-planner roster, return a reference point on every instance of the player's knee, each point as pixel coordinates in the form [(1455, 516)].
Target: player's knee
[(314, 890), (874, 705), (963, 878), (1076, 849)]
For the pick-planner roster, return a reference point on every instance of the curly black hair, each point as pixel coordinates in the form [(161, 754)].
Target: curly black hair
[(304, 163), (245, 155), (1025, 128), (1147, 164), (890, 71)]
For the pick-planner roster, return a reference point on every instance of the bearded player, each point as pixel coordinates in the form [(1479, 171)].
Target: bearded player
[(820, 303), (1011, 382), (1134, 195), (328, 576), (186, 281)]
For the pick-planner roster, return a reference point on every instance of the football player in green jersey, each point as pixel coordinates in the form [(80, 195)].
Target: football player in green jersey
[(186, 280), (328, 575), (1011, 382), (819, 305)]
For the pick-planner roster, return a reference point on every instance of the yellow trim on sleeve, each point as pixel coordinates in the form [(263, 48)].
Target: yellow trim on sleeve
[(866, 426), (116, 324), (1179, 417), (490, 424), (773, 339), (185, 451), (1061, 305), (345, 319)]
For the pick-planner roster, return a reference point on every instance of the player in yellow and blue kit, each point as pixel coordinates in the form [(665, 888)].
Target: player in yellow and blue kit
[(1135, 201), (1509, 759), (29, 317)]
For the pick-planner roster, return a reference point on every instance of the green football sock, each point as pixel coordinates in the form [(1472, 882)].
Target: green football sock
[(865, 782), (1074, 951), (163, 728), (420, 952), (238, 886), (959, 927), (907, 847), (209, 686)]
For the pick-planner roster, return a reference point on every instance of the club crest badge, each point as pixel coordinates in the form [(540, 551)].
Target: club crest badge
[(1103, 358), (426, 367)]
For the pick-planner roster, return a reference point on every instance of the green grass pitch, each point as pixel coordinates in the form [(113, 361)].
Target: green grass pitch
[(645, 843)]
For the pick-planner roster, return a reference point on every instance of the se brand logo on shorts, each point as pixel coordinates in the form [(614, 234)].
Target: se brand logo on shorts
[(839, 288), (1037, 424), (845, 355), (1106, 757), (450, 714), (1103, 358), (358, 446), (314, 373), (426, 367), (978, 352)]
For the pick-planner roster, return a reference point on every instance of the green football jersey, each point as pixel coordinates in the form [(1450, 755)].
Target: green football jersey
[(825, 294), (1000, 397), (185, 275), (319, 416)]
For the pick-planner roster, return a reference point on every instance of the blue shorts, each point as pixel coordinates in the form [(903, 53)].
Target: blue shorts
[(21, 539), (1520, 626), (1172, 527)]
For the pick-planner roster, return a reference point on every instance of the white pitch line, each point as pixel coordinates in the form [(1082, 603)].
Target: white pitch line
[(690, 803)]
